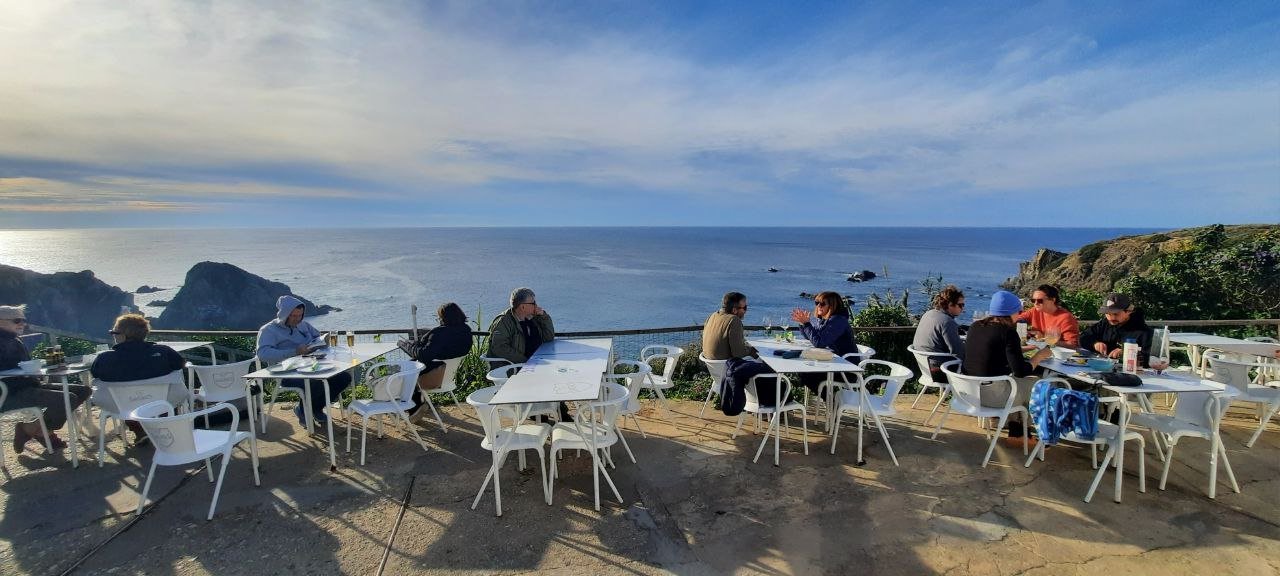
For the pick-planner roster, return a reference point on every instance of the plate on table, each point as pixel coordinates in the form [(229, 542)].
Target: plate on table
[(317, 367), (78, 366), (279, 369)]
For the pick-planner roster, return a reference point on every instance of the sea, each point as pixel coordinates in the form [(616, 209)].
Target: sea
[(587, 278)]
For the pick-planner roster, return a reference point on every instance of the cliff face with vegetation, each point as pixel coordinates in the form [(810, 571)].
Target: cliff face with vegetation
[(72, 301), (1098, 267)]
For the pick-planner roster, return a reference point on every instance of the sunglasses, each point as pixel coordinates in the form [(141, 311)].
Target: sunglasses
[(19, 320), (960, 305), (1038, 300), (817, 303)]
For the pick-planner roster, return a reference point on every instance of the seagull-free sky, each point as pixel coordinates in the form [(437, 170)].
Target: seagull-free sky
[(528, 113)]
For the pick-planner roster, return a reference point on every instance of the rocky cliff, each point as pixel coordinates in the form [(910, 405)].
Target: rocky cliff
[(1100, 265), (72, 301), (219, 295)]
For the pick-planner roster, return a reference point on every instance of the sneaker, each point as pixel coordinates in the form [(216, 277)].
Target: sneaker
[(1015, 429)]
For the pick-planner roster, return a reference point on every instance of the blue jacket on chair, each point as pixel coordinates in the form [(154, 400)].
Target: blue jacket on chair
[(1057, 411)]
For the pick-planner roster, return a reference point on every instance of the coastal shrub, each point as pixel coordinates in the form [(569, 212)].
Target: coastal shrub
[(1083, 302), (886, 310)]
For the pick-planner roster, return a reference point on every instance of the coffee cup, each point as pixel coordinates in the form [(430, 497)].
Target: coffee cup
[(31, 365)]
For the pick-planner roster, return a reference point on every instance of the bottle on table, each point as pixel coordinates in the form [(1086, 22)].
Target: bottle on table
[(1130, 356)]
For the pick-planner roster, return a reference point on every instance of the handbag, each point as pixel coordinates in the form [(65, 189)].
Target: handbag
[(1121, 379)]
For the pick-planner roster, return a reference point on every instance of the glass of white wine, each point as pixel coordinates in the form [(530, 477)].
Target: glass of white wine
[(1158, 363), (1051, 337)]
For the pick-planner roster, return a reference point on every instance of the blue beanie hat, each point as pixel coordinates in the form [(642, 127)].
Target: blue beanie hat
[(1004, 303)]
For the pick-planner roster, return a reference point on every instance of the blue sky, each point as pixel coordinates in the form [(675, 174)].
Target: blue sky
[(321, 114)]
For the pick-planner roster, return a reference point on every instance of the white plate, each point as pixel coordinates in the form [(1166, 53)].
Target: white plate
[(278, 369), (77, 366), (318, 367)]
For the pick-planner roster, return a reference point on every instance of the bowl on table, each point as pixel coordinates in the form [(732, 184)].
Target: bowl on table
[(1062, 353), (1101, 364)]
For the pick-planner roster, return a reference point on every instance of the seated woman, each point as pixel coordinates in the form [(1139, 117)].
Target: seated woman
[(451, 339), (828, 327), (133, 358), (28, 392), (994, 349), (1047, 315)]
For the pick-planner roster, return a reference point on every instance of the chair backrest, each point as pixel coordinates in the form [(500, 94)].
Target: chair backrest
[(782, 389), (864, 353), (922, 362), (633, 380), (1232, 373), (968, 389), (495, 362), (895, 380), (448, 384), (1263, 339), (500, 374), (490, 415), (1195, 407), (715, 367), (169, 433), (222, 382), (398, 385), (670, 355), (135, 393), (596, 418)]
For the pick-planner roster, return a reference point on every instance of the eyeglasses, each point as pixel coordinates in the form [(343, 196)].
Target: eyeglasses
[(959, 304), (534, 303), (1038, 300), (819, 303), (743, 307), (18, 320), (113, 332)]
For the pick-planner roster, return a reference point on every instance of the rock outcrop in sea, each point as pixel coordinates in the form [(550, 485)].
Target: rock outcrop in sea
[(219, 295), (71, 301)]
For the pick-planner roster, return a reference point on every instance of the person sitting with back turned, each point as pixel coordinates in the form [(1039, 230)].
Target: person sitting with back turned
[(994, 349), (29, 392), (1121, 322), (723, 338), (290, 335), (133, 358), (1048, 315), (518, 332), (451, 339), (828, 327), (938, 331)]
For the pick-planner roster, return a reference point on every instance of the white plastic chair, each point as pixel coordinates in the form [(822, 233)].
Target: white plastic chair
[(178, 442), (500, 440), (670, 355), (447, 386), (392, 394), (966, 398), (633, 381), (782, 389), (1108, 435), (1269, 373), (221, 383), (1197, 415), (825, 387), (1234, 375), (593, 428), (499, 378), (716, 369), (26, 414), (926, 378), (880, 406), (127, 396)]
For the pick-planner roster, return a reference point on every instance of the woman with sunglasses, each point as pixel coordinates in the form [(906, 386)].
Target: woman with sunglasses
[(28, 392), (828, 327), (1047, 315)]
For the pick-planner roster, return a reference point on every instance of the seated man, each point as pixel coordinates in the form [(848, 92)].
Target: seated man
[(938, 331), (723, 338), (1121, 323), (133, 358), (289, 335), (518, 332), (28, 392)]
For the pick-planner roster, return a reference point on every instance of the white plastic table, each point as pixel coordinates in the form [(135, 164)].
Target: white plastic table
[(343, 359), (181, 346), (1196, 341), (830, 367), (1152, 383), (61, 373)]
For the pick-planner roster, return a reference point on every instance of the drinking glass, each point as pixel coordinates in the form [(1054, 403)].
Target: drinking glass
[(331, 339), (1051, 337), (351, 339), (768, 324), (1022, 332), (1158, 363)]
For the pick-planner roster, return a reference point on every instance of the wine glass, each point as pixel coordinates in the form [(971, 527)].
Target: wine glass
[(768, 324), (1051, 337), (1158, 363)]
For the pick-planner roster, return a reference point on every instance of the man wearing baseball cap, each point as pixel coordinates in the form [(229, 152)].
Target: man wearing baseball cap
[(1121, 322)]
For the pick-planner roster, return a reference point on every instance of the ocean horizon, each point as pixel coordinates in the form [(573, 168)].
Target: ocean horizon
[(589, 278)]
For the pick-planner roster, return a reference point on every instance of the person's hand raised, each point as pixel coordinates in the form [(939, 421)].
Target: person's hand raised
[(800, 315)]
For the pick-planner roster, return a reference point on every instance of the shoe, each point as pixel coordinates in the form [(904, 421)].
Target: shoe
[(302, 416), (419, 413), (20, 439)]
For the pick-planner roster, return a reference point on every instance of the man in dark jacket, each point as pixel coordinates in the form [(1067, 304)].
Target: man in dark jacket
[(1121, 323), (133, 358), (28, 392)]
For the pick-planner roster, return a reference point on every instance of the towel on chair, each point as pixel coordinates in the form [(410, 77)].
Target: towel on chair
[(1057, 411)]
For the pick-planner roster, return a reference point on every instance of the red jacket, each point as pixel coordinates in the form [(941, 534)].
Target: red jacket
[(1063, 321)]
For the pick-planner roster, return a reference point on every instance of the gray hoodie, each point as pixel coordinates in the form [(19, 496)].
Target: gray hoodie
[(276, 341)]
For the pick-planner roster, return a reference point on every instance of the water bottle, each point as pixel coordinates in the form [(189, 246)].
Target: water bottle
[(1131, 356)]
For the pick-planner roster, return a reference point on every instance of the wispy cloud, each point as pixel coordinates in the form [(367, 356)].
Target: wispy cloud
[(400, 103)]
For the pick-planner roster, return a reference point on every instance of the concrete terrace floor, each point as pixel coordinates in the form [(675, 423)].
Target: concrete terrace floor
[(694, 504)]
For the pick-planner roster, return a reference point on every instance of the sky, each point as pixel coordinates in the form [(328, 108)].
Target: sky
[(530, 113)]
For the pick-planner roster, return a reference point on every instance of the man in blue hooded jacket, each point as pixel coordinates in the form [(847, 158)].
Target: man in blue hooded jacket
[(287, 336)]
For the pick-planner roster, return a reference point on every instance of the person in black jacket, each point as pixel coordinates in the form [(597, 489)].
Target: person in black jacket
[(28, 392), (133, 358), (1121, 322), (451, 339), (993, 348)]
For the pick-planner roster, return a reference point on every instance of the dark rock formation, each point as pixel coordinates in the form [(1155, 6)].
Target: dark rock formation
[(71, 301), (144, 289), (862, 276), (158, 303), (219, 295)]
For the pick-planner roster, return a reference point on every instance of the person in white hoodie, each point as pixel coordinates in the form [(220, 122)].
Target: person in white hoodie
[(290, 335)]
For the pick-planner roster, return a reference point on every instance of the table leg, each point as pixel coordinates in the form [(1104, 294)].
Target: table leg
[(830, 401), (1124, 428), (333, 456), (73, 427), (862, 410)]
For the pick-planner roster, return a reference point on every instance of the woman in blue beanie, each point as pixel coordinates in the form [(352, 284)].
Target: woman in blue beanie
[(994, 349)]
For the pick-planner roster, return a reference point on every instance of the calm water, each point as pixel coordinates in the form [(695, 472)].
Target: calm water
[(588, 278)]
